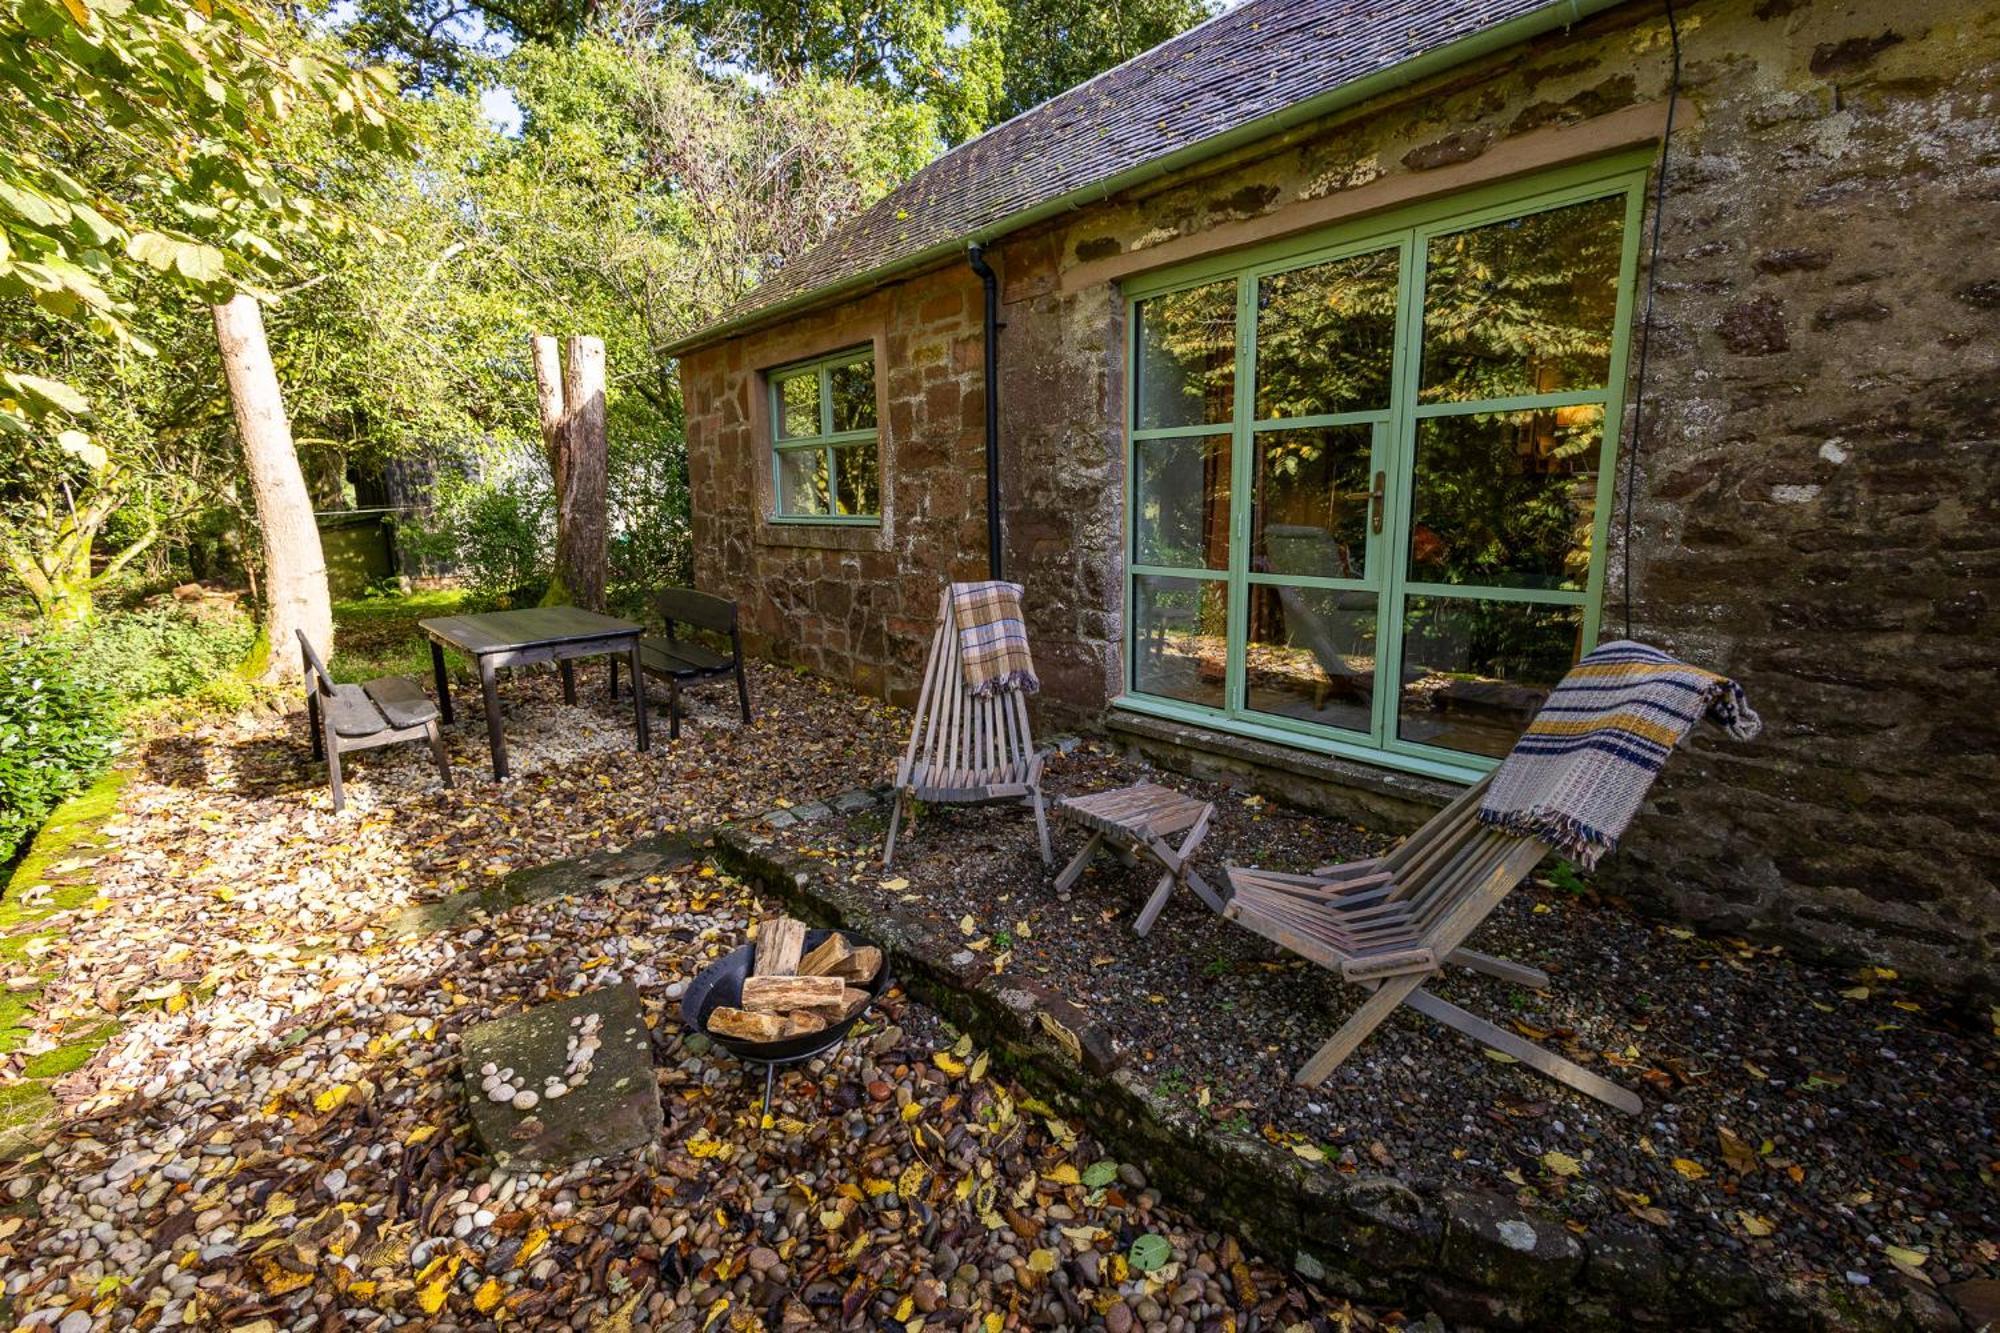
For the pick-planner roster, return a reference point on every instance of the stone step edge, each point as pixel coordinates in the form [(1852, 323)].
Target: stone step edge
[(1476, 1257)]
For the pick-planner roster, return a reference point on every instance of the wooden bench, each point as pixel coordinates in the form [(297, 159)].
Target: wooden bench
[(360, 717), (1137, 821), (681, 661)]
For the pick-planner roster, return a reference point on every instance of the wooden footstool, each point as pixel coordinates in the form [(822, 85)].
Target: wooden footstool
[(1137, 821)]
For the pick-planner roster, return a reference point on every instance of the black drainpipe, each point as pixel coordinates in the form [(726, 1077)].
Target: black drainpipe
[(976, 256)]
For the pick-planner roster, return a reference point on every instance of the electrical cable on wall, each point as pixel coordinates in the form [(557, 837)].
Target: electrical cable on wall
[(1646, 319)]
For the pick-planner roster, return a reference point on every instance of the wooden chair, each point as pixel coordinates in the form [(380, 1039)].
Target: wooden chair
[(360, 717), (680, 661), (965, 750), (1390, 923)]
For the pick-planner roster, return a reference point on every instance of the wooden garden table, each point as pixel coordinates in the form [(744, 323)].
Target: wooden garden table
[(557, 634), (1137, 821)]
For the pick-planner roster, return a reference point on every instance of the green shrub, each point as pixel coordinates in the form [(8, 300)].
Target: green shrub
[(57, 731), (160, 653), (498, 537)]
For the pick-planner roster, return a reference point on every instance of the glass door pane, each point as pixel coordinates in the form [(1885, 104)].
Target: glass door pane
[(1326, 337), (1311, 509), (1506, 499), (1525, 305), (1475, 671), (1180, 640), (1310, 655), (1180, 501), (1185, 371)]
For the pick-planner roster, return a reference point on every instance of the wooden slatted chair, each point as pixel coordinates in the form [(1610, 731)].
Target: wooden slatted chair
[(1392, 922), (965, 750), (361, 717)]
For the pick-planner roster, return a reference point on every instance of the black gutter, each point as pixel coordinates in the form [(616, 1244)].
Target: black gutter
[(976, 256)]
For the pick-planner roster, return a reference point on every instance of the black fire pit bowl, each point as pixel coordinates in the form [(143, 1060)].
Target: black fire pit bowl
[(721, 983)]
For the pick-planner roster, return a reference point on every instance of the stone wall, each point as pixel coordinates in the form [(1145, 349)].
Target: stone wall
[(1818, 499)]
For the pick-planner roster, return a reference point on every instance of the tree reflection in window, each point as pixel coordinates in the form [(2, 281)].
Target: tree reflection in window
[(1506, 499), (1187, 357), (1523, 306), (1326, 337)]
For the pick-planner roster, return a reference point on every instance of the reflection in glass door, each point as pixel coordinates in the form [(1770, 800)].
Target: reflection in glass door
[(1368, 483)]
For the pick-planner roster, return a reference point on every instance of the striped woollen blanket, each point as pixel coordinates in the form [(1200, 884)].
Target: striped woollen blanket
[(992, 638), (1576, 777)]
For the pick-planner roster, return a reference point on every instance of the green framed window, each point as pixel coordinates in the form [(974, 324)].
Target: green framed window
[(826, 463), (1370, 471)]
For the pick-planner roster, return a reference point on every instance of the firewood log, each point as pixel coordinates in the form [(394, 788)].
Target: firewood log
[(784, 995), (746, 1026), (780, 940), (851, 1000), (800, 1022), (861, 965), (827, 959)]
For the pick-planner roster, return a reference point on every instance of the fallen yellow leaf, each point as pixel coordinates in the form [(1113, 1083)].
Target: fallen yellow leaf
[(1689, 1168), (1560, 1164)]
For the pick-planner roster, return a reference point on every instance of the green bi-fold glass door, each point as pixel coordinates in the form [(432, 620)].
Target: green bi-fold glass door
[(1369, 475)]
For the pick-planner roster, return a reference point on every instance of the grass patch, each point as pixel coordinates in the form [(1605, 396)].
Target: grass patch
[(70, 1056), (378, 636), (70, 828), (14, 1006)]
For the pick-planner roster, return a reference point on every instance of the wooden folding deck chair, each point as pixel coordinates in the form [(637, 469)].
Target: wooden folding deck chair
[(1390, 923), (965, 750)]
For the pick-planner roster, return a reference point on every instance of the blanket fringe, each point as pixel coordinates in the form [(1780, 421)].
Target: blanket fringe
[(1024, 681)]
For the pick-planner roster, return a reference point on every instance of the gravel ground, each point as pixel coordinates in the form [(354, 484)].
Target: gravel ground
[(276, 1137), (1824, 1126)]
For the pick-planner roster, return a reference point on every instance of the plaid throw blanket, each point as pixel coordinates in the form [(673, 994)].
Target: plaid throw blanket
[(992, 638), (1575, 779)]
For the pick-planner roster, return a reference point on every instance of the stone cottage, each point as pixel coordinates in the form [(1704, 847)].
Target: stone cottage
[(1331, 422)]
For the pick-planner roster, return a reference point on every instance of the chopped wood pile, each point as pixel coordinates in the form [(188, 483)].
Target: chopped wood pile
[(792, 993)]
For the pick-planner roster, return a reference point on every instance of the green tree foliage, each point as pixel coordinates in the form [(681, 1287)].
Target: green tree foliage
[(136, 167), (642, 196), (1053, 45)]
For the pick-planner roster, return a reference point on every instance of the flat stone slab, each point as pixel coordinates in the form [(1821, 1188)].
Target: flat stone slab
[(616, 1109)]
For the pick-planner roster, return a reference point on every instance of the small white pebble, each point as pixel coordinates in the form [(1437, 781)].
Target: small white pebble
[(503, 1093), (489, 1069), (556, 1090), (525, 1100)]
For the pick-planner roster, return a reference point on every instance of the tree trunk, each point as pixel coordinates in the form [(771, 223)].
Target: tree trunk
[(549, 401), (578, 462), (295, 591)]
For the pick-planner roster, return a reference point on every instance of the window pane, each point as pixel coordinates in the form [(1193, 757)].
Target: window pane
[(1506, 499), (1312, 502), (1180, 510), (798, 406), (854, 395), (1311, 655), (802, 481), (1474, 672), (1326, 337), (1523, 306), (1187, 357), (1178, 648), (856, 487)]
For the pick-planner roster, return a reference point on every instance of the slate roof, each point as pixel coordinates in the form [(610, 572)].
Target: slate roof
[(1248, 63)]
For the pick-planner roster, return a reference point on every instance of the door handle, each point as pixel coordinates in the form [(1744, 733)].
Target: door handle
[(1375, 501)]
